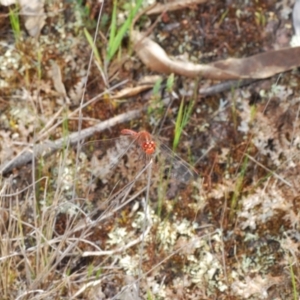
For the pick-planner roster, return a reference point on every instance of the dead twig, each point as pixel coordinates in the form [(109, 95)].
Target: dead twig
[(225, 86), (173, 6), (47, 148)]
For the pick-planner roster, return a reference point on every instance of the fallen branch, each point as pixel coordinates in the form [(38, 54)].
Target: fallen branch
[(47, 148), (225, 86), (173, 6)]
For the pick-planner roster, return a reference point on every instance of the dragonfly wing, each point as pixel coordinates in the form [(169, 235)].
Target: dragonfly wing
[(111, 165), (181, 171), (105, 155)]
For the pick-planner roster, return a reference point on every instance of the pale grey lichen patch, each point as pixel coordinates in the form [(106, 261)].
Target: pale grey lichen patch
[(130, 264), (117, 237), (261, 206), (204, 266)]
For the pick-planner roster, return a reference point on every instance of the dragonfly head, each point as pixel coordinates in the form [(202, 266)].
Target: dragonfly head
[(149, 147)]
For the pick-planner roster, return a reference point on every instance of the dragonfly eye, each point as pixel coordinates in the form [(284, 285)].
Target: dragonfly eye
[(149, 147)]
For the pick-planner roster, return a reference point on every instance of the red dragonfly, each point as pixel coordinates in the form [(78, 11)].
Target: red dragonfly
[(111, 158), (146, 143), (143, 139)]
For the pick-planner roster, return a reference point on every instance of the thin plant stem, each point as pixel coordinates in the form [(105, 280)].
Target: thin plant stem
[(83, 94), (149, 174)]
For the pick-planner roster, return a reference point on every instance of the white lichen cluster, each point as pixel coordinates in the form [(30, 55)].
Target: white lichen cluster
[(130, 264), (252, 287), (169, 231), (261, 206), (205, 265), (117, 237), (9, 64)]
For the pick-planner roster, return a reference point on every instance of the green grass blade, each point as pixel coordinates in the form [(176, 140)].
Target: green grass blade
[(181, 121), (238, 188), (93, 46), (170, 83), (178, 128), (294, 283), (113, 25), (15, 23), (116, 39)]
